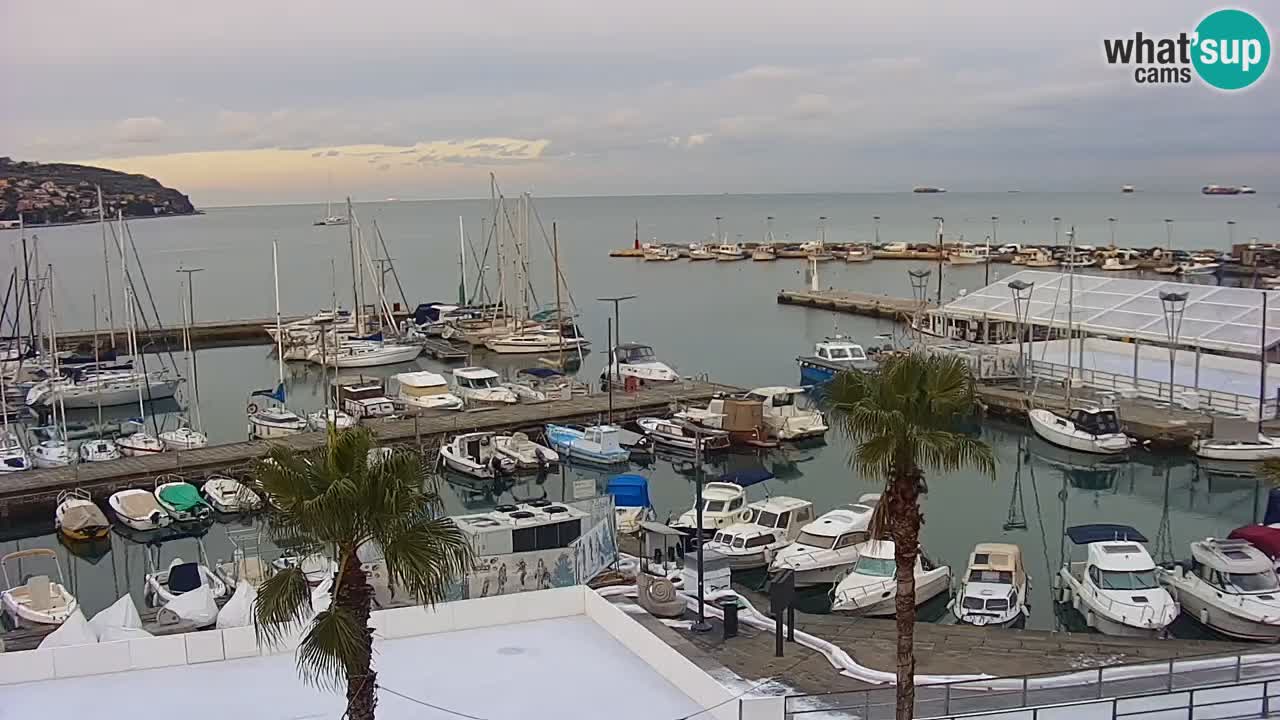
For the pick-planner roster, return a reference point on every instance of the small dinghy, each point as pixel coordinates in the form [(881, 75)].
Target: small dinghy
[(475, 454), (227, 495), (595, 444), (187, 589), (631, 502), (39, 601), (181, 500), (527, 454), (138, 509), (1236, 440), (78, 518)]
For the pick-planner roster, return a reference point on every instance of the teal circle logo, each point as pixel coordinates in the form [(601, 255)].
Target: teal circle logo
[(1231, 49)]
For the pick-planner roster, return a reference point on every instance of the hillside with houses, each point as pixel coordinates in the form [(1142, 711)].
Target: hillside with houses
[(48, 193)]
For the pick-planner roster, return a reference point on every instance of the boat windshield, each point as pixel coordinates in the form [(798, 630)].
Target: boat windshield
[(483, 383), (847, 353), (715, 506), (875, 567), (1251, 582), (1128, 580), (822, 542), (767, 519), (636, 354), (991, 576)]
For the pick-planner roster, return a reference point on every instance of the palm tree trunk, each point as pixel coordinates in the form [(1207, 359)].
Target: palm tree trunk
[(904, 527), (356, 597)]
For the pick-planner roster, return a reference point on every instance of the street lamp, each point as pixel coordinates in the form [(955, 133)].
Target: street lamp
[(612, 371), (1168, 236), (701, 625), (1021, 290), (1174, 303), (1111, 223), (876, 219), (1231, 235), (1057, 224), (919, 284)]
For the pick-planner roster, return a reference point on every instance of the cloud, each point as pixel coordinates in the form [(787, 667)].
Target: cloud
[(141, 130), (811, 105)]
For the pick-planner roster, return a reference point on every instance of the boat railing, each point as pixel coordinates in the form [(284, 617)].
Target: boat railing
[(865, 594)]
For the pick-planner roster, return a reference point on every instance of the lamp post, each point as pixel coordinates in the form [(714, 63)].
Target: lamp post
[(939, 221), (1231, 234), (1168, 236), (1021, 290), (1111, 223), (876, 220), (617, 320), (1174, 304), (701, 625), (718, 237), (330, 419)]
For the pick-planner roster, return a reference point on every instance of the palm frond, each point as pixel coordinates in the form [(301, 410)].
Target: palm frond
[(424, 555), (335, 647), (283, 602), (1270, 471)]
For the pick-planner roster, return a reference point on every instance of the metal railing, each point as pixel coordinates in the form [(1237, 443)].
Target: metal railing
[(1004, 695)]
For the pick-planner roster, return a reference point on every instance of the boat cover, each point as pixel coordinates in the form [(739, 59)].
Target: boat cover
[(1272, 515), (747, 477), (540, 372), (1266, 539), (139, 505), (118, 622), (238, 612), (629, 490), (75, 631), (197, 606), (1103, 532), (83, 517), (181, 497)]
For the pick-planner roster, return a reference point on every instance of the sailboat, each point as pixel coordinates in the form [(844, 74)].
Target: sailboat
[(53, 452), (1093, 429), (271, 422), (186, 437), (101, 449), (141, 442), (329, 218), (13, 457)]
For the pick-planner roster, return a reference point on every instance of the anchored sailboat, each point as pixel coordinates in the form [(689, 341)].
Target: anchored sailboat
[(274, 421)]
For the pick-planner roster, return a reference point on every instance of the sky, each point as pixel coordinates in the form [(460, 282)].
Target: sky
[(251, 102)]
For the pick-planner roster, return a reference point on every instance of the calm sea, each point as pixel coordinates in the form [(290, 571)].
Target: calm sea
[(716, 318)]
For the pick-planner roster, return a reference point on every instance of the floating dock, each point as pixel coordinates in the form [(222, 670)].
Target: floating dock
[(446, 351), (30, 491), (854, 303)]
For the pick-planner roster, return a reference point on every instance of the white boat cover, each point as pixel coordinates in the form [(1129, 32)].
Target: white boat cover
[(75, 631), (238, 612), (118, 622), (196, 606)]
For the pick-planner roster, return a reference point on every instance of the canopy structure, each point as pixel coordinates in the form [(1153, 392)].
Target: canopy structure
[(1103, 532), (1215, 318)]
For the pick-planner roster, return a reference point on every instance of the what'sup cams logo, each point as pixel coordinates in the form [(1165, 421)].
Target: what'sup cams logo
[(1229, 50)]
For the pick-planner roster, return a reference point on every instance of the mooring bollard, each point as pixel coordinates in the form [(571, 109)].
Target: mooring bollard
[(730, 608)]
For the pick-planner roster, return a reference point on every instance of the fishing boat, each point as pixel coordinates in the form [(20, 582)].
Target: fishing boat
[(635, 360), (138, 509), (39, 601), (527, 454), (784, 417), (98, 450), (228, 495), (660, 253), (1115, 588), (481, 385), (631, 504), (741, 416), (830, 356), (859, 254), (676, 434), (993, 590), (78, 518), (1094, 430), (723, 504), (698, 251), (730, 252), (1038, 258), (425, 389), (967, 254), (764, 253), (13, 457), (827, 547), (181, 501), (1236, 439), (773, 523), (276, 421), (1228, 586), (475, 454), (323, 419), (870, 589), (595, 444), (362, 397)]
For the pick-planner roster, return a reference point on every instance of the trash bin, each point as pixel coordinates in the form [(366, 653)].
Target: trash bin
[(730, 607)]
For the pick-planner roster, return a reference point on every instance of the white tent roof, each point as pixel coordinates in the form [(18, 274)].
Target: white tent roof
[(1216, 318)]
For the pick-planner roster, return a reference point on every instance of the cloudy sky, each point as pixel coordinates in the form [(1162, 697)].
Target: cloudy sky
[(246, 101)]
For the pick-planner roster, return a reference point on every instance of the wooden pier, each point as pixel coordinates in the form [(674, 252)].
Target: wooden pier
[(446, 351), (22, 493), (854, 303)]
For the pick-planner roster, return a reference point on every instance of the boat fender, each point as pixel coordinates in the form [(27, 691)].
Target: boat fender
[(1057, 582), (252, 409), (495, 464), (1204, 616), (154, 517), (1089, 619)]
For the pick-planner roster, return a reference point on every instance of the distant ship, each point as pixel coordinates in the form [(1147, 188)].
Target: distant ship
[(927, 189), (1246, 190), (1126, 188), (1221, 190)]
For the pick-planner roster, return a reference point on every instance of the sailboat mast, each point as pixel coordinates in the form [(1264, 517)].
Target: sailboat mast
[(355, 287), (106, 268), (462, 262), (275, 277), (97, 393), (1071, 301), (186, 347), (555, 259), (60, 407)]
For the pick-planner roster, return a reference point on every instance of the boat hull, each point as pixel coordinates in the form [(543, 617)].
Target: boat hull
[(1048, 426), (1242, 452), (81, 398)]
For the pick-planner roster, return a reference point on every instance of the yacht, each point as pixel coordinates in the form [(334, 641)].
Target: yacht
[(428, 390), (631, 504), (183, 438), (827, 547), (481, 385), (322, 419), (540, 384), (476, 454), (1236, 439), (739, 415), (870, 589), (830, 356), (139, 443), (595, 444), (676, 434), (730, 251), (1115, 588), (362, 397), (274, 422), (698, 251), (723, 504), (773, 523), (13, 457), (366, 353), (544, 341), (1229, 586), (90, 386), (783, 416), (330, 219), (527, 454), (993, 590), (634, 360), (1095, 430)]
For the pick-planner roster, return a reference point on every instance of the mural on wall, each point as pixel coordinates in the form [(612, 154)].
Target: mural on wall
[(597, 549), (521, 572)]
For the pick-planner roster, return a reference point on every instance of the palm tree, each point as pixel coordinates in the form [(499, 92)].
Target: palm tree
[(903, 421), (336, 500), (1270, 471)]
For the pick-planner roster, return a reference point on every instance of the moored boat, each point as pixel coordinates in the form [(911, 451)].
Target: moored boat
[(1115, 588), (1094, 430), (773, 524), (476, 454), (38, 601), (595, 444), (993, 590), (827, 547), (677, 434), (870, 589), (1228, 586), (78, 518), (138, 509)]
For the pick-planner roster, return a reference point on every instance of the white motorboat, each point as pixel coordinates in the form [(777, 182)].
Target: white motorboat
[(91, 387), (698, 251), (98, 450), (527, 454), (38, 601), (181, 501), (679, 435), (1236, 439), (481, 385), (993, 590), (228, 495), (428, 390), (13, 457), (723, 504), (730, 251), (183, 438), (532, 343), (859, 254), (1229, 586), (968, 255), (870, 588), (740, 416), (764, 253), (139, 443), (784, 417), (660, 253), (365, 353), (895, 248), (833, 355), (138, 509), (322, 419), (183, 578), (827, 547), (634, 360), (363, 397), (1078, 259), (1038, 258), (540, 384), (273, 422), (475, 454), (1116, 264), (51, 453), (631, 504), (773, 524), (1196, 267), (595, 444), (78, 517), (1115, 588), (1094, 430)]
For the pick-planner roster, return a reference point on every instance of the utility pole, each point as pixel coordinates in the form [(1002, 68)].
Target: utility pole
[(191, 321), (940, 253)]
